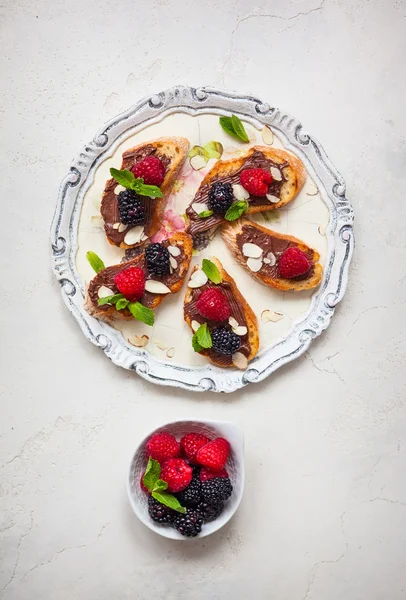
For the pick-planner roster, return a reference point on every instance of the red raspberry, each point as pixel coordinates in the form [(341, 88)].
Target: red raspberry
[(143, 487), (177, 474), (206, 474), (214, 454), (191, 443), (213, 305), (151, 169), (162, 446), (293, 263), (131, 283), (256, 181)]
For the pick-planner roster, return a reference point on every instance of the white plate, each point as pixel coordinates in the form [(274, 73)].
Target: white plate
[(321, 215)]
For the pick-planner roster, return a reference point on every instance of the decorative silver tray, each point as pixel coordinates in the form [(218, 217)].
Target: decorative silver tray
[(339, 236)]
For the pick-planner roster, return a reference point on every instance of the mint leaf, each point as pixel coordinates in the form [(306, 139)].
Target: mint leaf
[(236, 210), (195, 344), (160, 486), (121, 303), (95, 261), (239, 129), (170, 501), (152, 473), (205, 213), (110, 299), (203, 336), (152, 191), (141, 313), (124, 177), (213, 149), (211, 271), (234, 127)]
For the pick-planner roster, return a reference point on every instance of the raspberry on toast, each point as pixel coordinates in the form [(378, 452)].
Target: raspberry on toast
[(268, 247), (242, 320), (288, 177), (172, 152), (174, 280)]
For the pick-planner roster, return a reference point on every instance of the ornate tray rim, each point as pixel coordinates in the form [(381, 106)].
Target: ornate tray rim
[(340, 237)]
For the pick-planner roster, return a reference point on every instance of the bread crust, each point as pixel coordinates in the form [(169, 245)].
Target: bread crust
[(231, 230), (175, 148)]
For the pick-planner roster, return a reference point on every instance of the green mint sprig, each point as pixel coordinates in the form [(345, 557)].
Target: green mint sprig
[(138, 311), (157, 486), (206, 213), (236, 210), (201, 339), (126, 179), (211, 271), (95, 261), (234, 127)]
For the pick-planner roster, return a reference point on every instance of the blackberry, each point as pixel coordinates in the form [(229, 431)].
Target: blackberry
[(157, 257), (221, 197), (189, 524), (216, 490), (159, 512), (201, 240), (225, 341), (210, 512), (191, 495), (131, 253), (131, 208)]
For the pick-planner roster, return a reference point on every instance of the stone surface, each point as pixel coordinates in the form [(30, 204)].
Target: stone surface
[(324, 512)]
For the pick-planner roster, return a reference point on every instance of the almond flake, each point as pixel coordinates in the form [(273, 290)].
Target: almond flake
[(270, 315), (240, 361), (134, 235), (156, 287), (118, 189), (104, 291), (197, 279), (233, 322), (276, 174), (199, 207), (174, 250), (241, 330), (312, 190), (139, 341), (116, 225), (251, 250), (267, 135), (273, 199), (170, 353), (161, 345), (239, 192), (322, 229), (195, 325), (173, 263), (270, 259), (122, 227), (254, 264)]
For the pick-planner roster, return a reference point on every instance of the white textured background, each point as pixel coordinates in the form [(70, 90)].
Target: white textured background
[(324, 513)]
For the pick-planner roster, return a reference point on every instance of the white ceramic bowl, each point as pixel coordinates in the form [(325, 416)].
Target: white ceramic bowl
[(234, 466)]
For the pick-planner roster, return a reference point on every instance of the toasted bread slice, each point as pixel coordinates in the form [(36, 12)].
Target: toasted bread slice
[(173, 281), (240, 311), (272, 244), (288, 172), (173, 152)]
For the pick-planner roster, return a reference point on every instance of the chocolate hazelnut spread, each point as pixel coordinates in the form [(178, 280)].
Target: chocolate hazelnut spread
[(106, 277), (109, 206), (269, 243), (236, 311), (256, 161)]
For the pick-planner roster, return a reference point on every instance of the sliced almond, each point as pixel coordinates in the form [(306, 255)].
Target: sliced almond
[(240, 361), (118, 189), (173, 263), (267, 135), (240, 330), (240, 193), (273, 199), (104, 291), (312, 189), (199, 207), (195, 325), (254, 264), (198, 279), (322, 229), (97, 221), (122, 227), (276, 174), (156, 287), (270, 259), (233, 322), (139, 341), (134, 235), (198, 162), (174, 250), (270, 315), (144, 237), (116, 225), (251, 250), (161, 345), (170, 353)]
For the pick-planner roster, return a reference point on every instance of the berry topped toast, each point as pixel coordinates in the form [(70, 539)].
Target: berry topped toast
[(280, 261), (263, 179), (225, 327), (130, 218), (122, 291)]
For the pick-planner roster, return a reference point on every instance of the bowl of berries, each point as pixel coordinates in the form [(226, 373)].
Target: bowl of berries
[(186, 478)]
